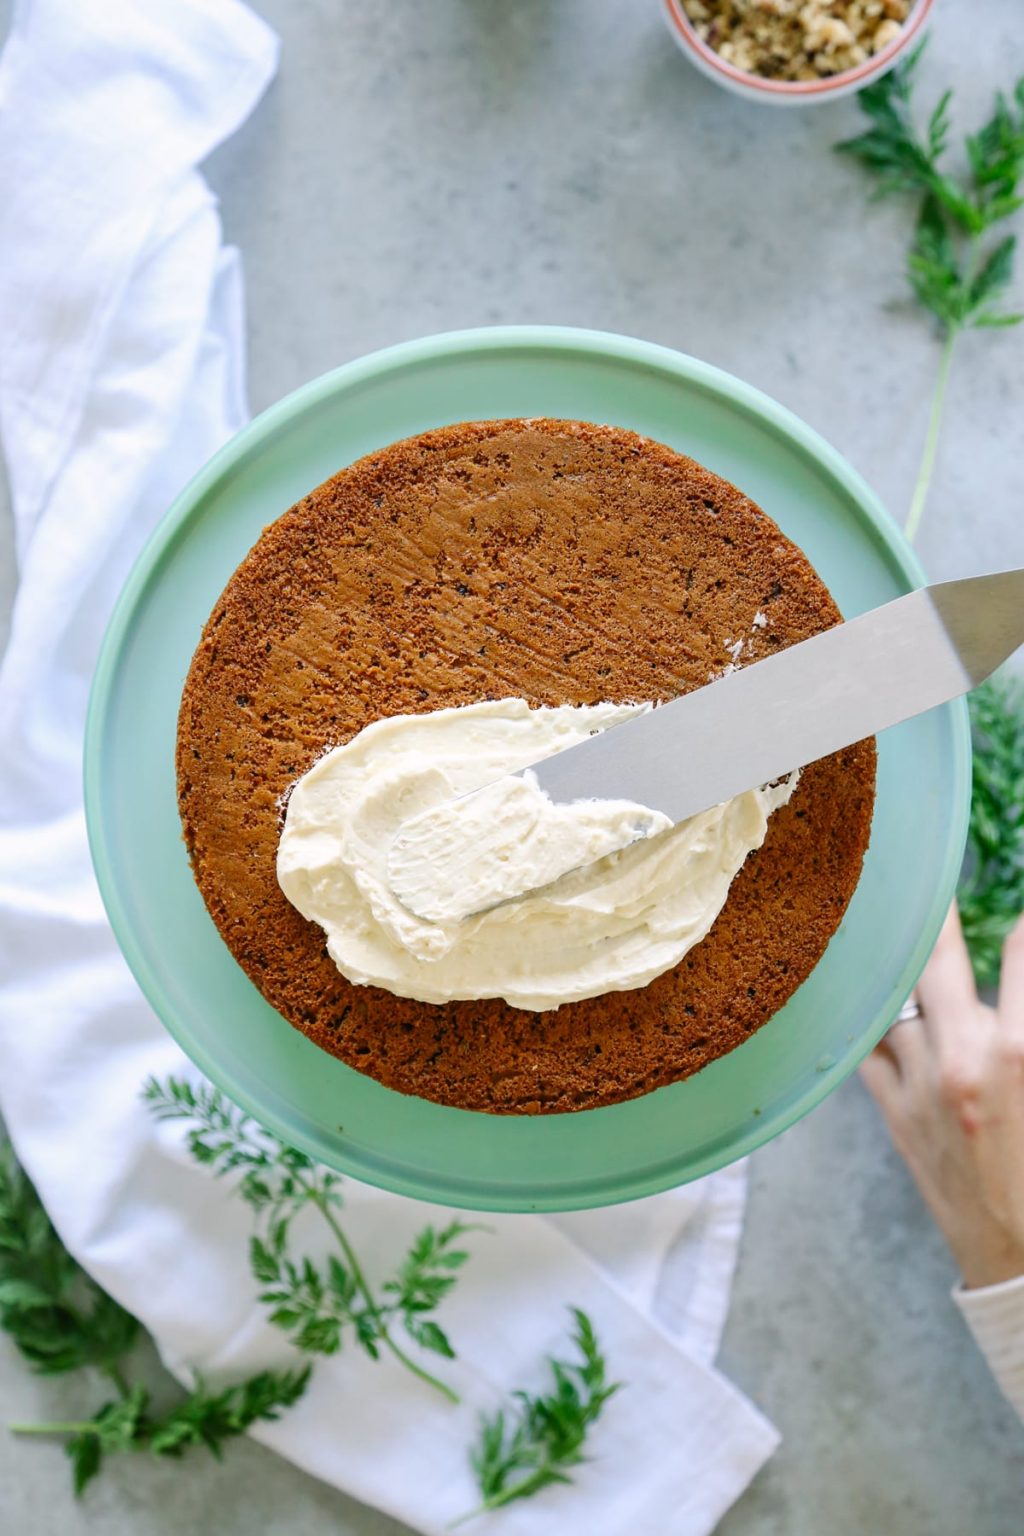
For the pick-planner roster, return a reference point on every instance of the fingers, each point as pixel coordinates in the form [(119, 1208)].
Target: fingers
[(1011, 987), (899, 1064), (908, 1047), (881, 1077), (946, 990)]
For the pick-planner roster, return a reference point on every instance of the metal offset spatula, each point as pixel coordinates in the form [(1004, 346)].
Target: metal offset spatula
[(742, 731)]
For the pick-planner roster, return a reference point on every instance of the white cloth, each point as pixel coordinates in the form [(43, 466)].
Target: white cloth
[(121, 371), (995, 1316)]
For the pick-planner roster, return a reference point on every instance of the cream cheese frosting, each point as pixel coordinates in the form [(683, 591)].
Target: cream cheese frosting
[(502, 842), (612, 924)]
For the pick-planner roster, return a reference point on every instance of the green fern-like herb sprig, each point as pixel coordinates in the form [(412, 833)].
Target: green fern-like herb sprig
[(57, 1316), (991, 893), (540, 1443), (61, 1320), (317, 1305), (958, 268)]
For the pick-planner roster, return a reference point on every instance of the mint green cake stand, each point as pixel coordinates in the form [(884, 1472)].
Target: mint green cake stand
[(555, 1162)]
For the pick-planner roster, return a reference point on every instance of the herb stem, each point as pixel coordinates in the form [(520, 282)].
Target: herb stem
[(521, 1490), (931, 443), (117, 1376), (72, 1428), (417, 1370), (360, 1279)]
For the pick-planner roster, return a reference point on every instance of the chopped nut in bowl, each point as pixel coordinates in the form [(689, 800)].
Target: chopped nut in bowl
[(792, 51)]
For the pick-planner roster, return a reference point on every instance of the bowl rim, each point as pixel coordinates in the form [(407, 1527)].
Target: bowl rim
[(688, 37), (583, 1191)]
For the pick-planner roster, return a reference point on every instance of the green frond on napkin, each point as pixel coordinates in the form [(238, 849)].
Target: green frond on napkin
[(316, 1305), (61, 1320), (539, 1444)]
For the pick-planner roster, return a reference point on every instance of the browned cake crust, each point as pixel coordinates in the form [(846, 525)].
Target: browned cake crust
[(556, 561)]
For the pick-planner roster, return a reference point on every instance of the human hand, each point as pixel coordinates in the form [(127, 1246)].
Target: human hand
[(950, 1086)]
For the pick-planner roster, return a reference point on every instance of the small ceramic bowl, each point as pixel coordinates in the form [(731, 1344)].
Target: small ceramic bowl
[(789, 93)]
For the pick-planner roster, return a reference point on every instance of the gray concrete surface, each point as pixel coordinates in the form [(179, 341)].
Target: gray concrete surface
[(423, 166)]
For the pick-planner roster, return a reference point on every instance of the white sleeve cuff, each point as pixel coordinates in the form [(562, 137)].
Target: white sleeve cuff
[(995, 1316)]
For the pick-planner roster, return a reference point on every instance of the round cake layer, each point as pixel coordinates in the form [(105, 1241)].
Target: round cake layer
[(557, 562)]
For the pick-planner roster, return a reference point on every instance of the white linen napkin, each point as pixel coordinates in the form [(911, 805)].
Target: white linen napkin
[(121, 372)]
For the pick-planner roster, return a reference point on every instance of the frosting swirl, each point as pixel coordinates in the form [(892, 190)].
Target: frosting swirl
[(611, 925)]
